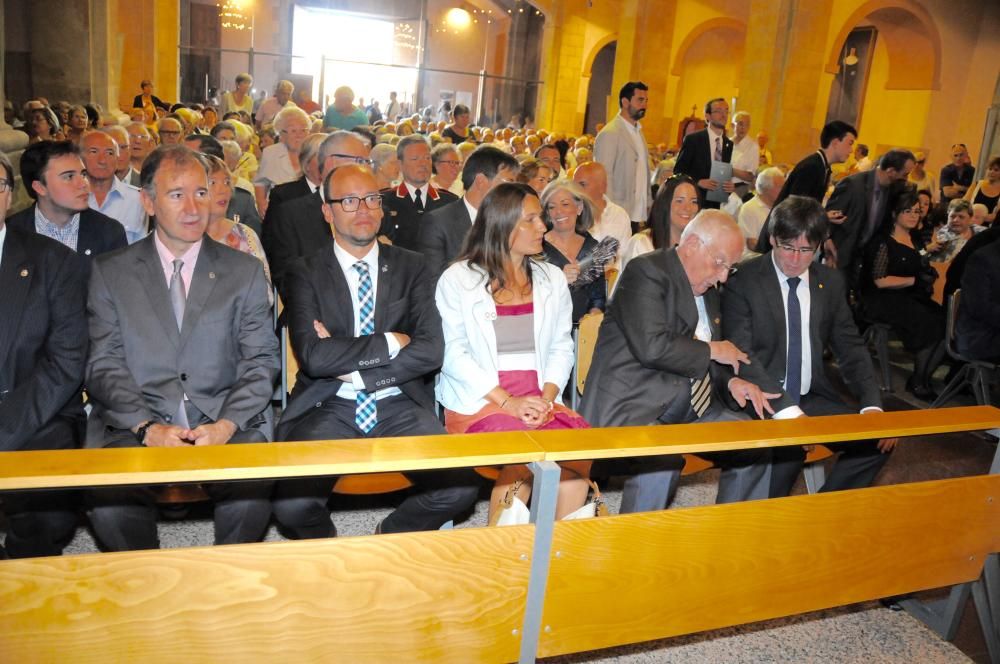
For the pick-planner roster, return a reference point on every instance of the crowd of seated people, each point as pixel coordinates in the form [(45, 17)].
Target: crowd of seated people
[(424, 261)]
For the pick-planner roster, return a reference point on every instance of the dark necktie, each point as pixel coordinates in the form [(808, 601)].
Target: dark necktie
[(874, 214), (365, 412), (718, 148), (418, 202), (178, 299), (793, 365)]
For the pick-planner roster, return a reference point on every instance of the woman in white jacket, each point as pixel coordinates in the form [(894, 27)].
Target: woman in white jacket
[(507, 318)]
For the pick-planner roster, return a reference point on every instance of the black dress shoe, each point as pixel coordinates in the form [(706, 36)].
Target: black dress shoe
[(921, 391)]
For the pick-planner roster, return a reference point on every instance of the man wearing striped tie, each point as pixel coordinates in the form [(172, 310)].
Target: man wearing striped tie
[(660, 359), (368, 339)]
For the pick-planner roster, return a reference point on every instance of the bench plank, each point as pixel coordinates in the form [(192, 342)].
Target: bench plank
[(567, 445), (109, 467), (663, 574), (446, 596)]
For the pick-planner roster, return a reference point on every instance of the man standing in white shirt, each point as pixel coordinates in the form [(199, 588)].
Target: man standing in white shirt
[(746, 154), (754, 212)]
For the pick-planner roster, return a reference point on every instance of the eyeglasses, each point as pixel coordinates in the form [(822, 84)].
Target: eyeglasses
[(723, 265), (5, 186), (450, 162), (360, 161), (352, 203), (797, 250)]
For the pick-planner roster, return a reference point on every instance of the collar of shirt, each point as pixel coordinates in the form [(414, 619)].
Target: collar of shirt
[(347, 262), (67, 235), (713, 135), (312, 187), (822, 156), (805, 302), (113, 192), (703, 331), (3, 237), (410, 189), (472, 211), (167, 258)]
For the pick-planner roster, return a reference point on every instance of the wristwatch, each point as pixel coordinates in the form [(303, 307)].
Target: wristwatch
[(140, 433)]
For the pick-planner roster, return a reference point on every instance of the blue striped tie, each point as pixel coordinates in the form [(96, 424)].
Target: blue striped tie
[(365, 412)]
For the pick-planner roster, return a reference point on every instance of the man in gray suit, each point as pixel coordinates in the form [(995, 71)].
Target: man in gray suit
[(621, 148), (660, 359), (182, 353)]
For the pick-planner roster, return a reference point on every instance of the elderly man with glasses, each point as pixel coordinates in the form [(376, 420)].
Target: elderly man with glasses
[(661, 358)]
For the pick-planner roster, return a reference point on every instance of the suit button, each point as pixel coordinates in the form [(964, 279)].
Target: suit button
[(184, 376), (319, 404), (168, 418)]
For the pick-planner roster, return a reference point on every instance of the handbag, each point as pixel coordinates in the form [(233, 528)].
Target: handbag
[(513, 511)]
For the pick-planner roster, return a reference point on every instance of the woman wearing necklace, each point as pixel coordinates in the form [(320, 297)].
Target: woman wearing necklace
[(987, 192)]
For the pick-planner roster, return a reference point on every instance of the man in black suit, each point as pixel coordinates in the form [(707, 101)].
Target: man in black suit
[(305, 185), (406, 204), (298, 227), (363, 375), (811, 176), (862, 198), (701, 148), (54, 175), (956, 271), (660, 359), (977, 333), (783, 309), (43, 350), (442, 231)]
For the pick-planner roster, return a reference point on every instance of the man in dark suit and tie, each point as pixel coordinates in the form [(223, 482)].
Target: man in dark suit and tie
[(661, 359), (977, 333), (43, 351), (298, 228), (54, 175), (862, 198), (701, 148), (368, 337), (811, 176), (406, 205), (783, 309), (442, 231), (182, 353)]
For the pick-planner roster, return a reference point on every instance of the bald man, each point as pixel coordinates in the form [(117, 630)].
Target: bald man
[(660, 359), (363, 324), (612, 219), (108, 194)]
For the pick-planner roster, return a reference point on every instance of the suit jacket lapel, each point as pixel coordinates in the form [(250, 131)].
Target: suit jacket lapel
[(202, 284), (87, 241), (816, 313), (771, 292), (383, 288), (683, 297), (151, 274), (713, 307), (341, 295), (16, 272)]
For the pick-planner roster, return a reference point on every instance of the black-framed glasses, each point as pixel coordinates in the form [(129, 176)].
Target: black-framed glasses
[(352, 203), (797, 250), (360, 161), (5, 186)]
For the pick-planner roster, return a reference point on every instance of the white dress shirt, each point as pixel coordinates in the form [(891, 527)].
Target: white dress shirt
[(472, 211), (752, 216), (350, 390), (614, 222), (640, 209), (746, 157)]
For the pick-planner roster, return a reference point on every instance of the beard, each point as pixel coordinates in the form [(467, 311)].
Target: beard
[(637, 114)]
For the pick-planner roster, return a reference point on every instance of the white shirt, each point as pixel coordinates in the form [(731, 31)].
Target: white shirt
[(804, 301), (640, 208), (124, 206), (746, 157), (703, 331), (614, 222), (350, 390), (751, 219), (412, 191), (472, 211)]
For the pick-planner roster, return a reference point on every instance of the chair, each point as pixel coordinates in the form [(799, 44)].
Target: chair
[(974, 373)]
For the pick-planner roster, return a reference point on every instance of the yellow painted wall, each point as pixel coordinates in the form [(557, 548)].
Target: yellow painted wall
[(704, 75)]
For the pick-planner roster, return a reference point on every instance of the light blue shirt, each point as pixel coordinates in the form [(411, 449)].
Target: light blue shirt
[(124, 206), (67, 235)]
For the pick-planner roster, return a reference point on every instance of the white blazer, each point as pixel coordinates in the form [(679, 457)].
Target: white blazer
[(470, 368)]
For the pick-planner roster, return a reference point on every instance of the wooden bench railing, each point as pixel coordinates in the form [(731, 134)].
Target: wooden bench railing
[(499, 594)]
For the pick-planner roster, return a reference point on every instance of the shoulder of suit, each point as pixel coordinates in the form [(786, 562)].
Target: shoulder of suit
[(37, 246), (101, 221)]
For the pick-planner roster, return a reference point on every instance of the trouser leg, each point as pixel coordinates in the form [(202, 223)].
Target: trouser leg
[(242, 509), (856, 467), (653, 483)]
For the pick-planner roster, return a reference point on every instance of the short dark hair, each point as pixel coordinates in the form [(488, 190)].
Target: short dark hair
[(708, 104), (487, 160), (209, 145), (994, 162), (628, 90), (796, 216), (895, 158), (835, 130), (222, 126), (179, 155), (36, 159), (460, 109), (365, 133), (411, 139)]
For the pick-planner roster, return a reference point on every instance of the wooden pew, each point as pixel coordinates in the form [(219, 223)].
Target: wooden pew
[(493, 594)]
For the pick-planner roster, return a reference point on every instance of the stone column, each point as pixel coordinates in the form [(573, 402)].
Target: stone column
[(12, 142)]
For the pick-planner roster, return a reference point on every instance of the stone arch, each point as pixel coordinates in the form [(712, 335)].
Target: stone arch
[(911, 38), (588, 65), (719, 23)]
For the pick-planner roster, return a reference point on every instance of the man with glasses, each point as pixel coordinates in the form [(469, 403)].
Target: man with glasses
[(661, 358), (297, 227), (368, 337), (446, 164), (701, 148), (783, 309), (957, 177), (43, 351), (406, 204), (170, 130), (140, 144)]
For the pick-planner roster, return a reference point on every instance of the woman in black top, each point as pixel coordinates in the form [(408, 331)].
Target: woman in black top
[(569, 213)]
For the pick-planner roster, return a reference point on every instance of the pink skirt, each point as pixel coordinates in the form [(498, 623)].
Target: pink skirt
[(490, 418)]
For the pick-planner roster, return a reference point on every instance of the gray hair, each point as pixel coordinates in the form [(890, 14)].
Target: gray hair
[(380, 154), (289, 114), (118, 133), (584, 220), (740, 114), (179, 155), (334, 140), (706, 225), (766, 178), (310, 148), (231, 149), (405, 141)]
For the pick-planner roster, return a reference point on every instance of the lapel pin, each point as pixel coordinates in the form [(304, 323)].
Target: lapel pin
[(385, 268), (211, 275), (86, 252), (820, 285), (718, 321), (24, 273)]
